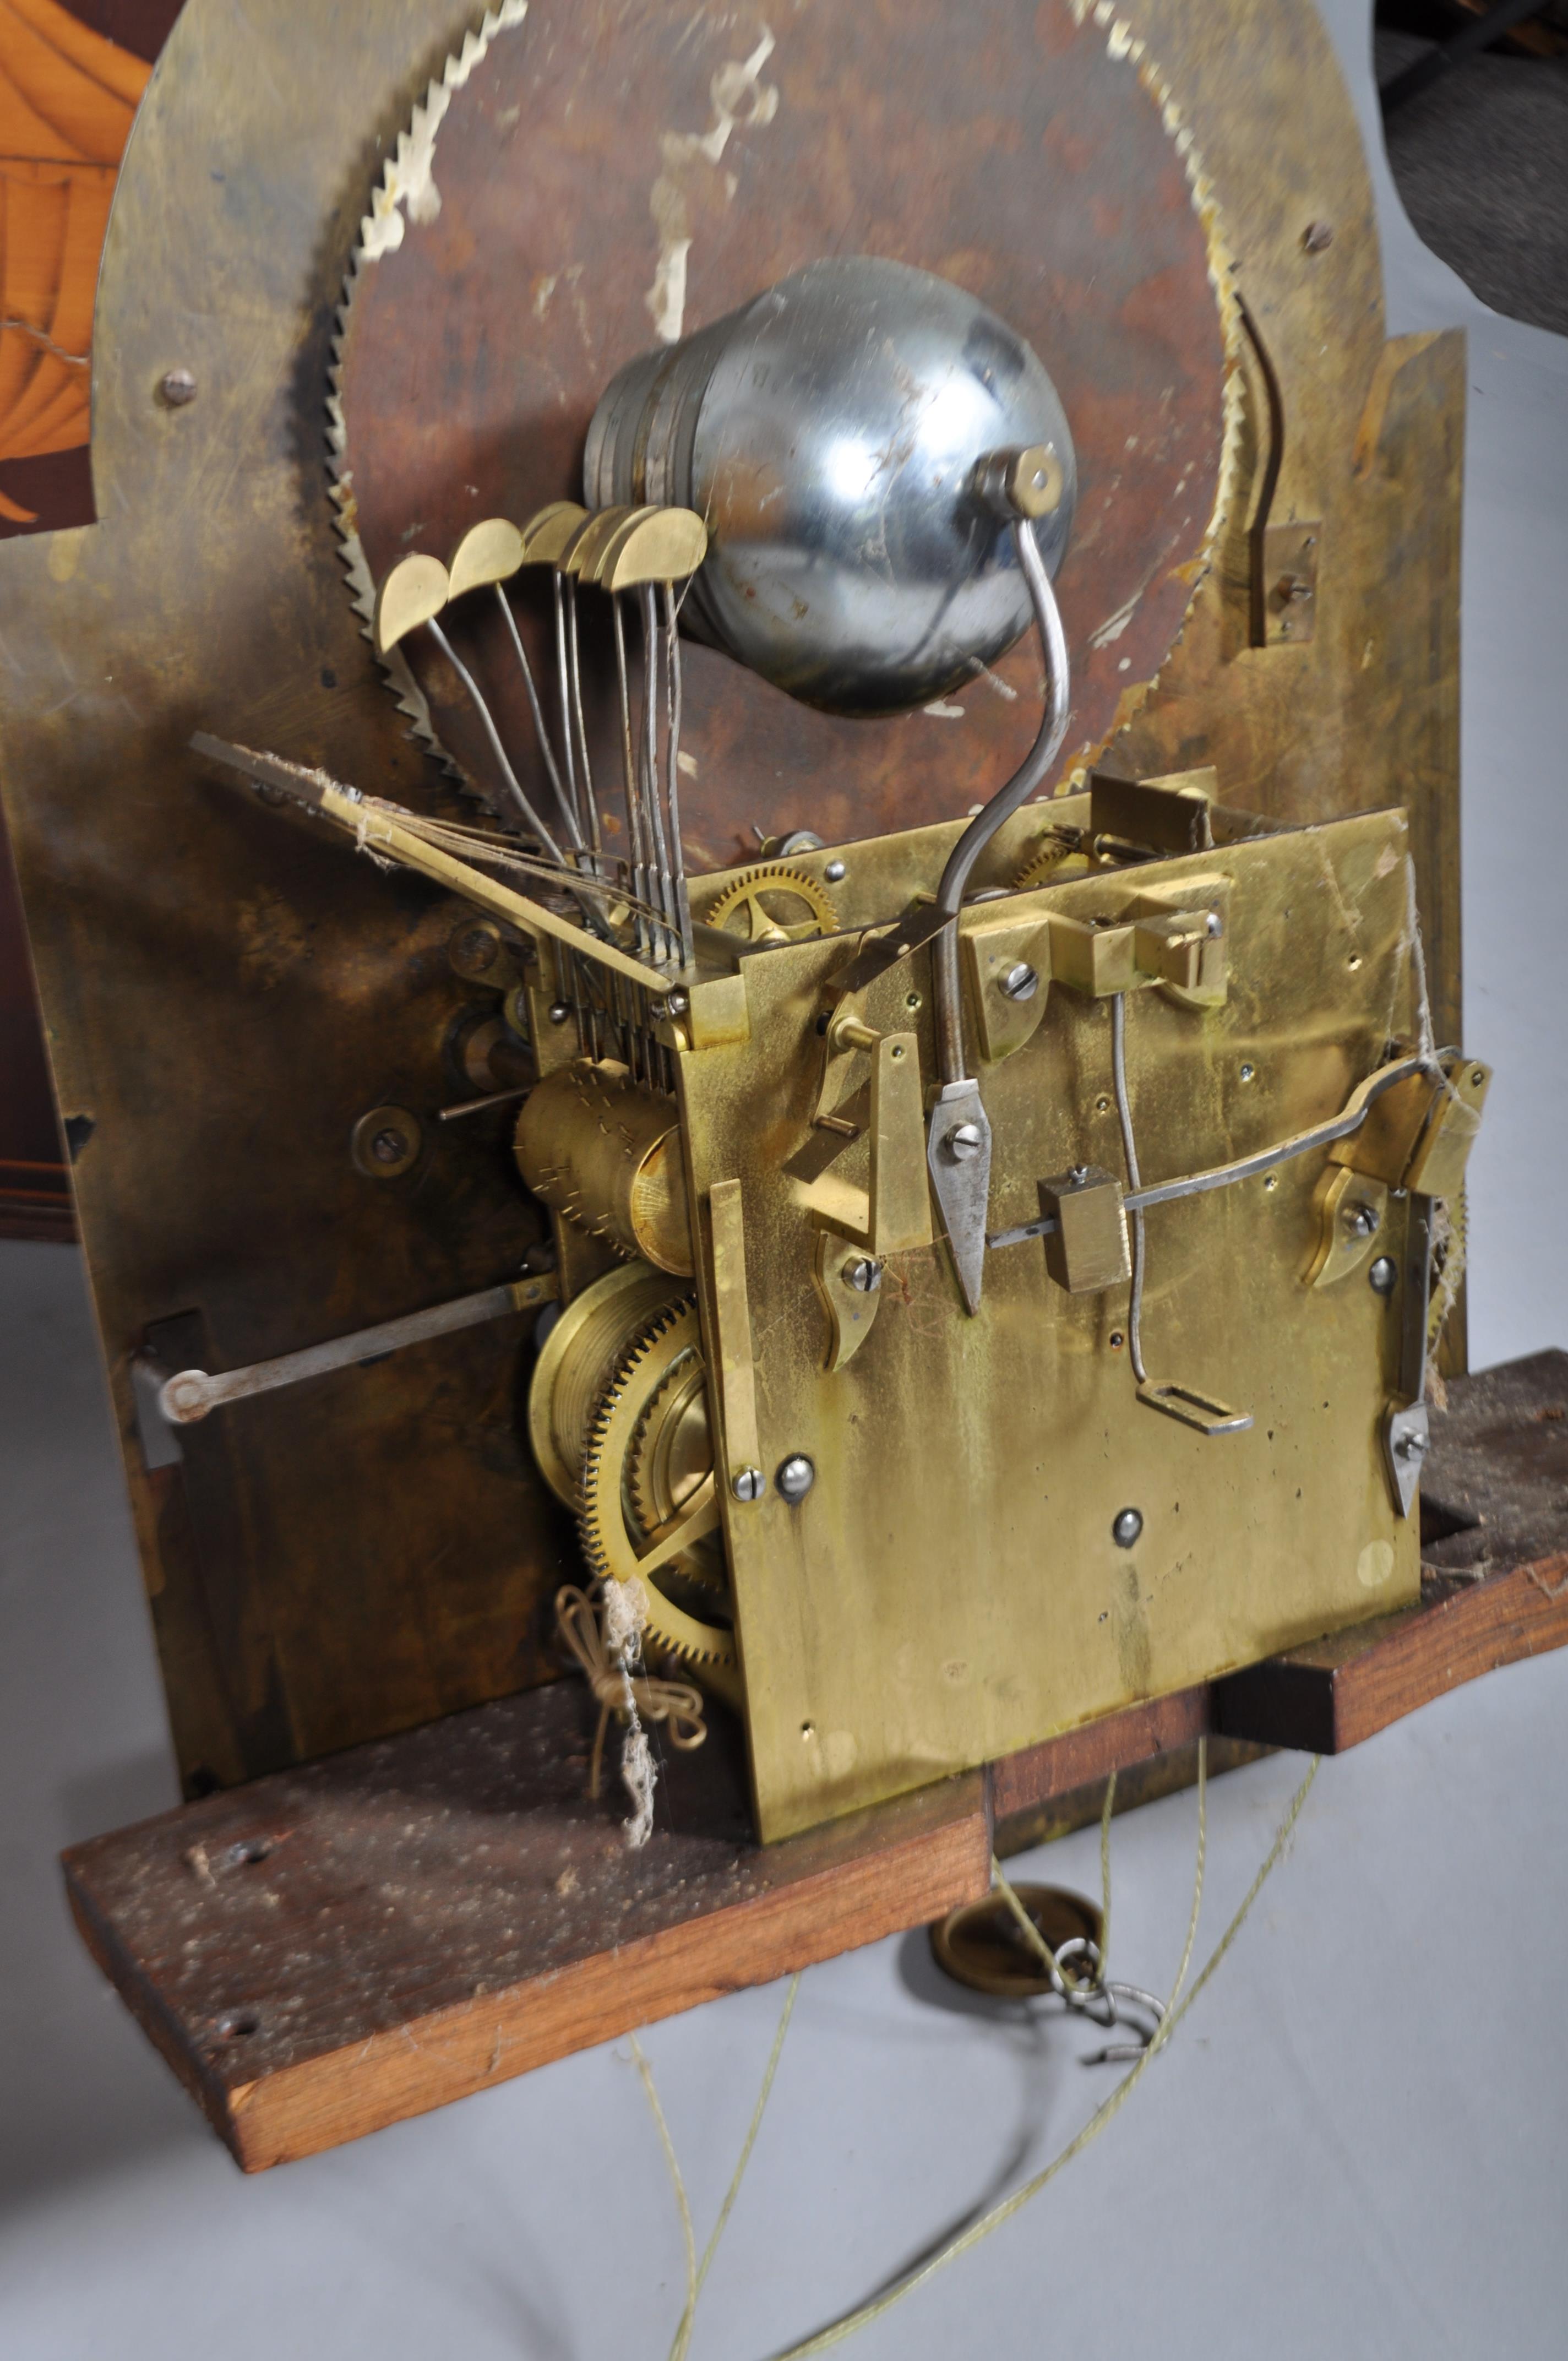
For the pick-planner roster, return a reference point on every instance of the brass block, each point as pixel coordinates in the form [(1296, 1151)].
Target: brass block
[(1007, 1007), (1174, 947), (1092, 958), (718, 1017), (1437, 1168), (1088, 1251)]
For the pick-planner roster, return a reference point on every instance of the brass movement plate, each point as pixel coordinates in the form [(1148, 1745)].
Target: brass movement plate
[(949, 1589)]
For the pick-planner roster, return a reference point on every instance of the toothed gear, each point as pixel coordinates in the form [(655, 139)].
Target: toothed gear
[(773, 904), (406, 181), (671, 1451), (614, 1541), (1057, 855)]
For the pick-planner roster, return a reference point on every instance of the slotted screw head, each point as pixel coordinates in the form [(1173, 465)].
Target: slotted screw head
[(747, 1483), (863, 1274), (1383, 1277), (964, 1141), (1020, 982)]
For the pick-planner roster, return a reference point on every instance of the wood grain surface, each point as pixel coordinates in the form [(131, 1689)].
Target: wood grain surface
[(330, 1949)]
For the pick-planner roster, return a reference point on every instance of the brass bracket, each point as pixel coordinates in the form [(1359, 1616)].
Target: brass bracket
[(736, 1365), (1289, 557), (894, 1213), (999, 960), (1352, 1209)]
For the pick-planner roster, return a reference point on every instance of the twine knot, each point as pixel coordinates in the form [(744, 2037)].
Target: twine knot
[(605, 1648)]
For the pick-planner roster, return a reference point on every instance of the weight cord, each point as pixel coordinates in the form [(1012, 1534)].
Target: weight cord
[(1174, 2010)]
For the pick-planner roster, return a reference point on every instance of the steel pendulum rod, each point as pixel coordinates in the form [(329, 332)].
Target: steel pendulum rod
[(563, 800), (672, 771), (650, 762), (635, 824), (471, 687)]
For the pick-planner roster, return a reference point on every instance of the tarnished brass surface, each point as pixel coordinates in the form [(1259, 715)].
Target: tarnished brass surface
[(604, 1152), (949, 1590), (227, 991)]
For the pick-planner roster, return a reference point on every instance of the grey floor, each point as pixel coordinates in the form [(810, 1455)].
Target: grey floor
[(1357, 2143)]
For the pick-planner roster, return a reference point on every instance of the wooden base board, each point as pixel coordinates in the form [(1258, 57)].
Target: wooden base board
[(331, 1949)]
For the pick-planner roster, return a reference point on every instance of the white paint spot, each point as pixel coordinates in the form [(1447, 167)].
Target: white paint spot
[(941, 712), (686, 762), (689, 180)]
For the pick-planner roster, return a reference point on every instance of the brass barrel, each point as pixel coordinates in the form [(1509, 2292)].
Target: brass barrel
[(605, 1153)]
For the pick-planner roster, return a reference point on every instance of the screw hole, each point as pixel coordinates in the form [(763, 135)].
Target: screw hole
[(1118, 1340), (239, 2025), (249, 1850), (809, 1731)]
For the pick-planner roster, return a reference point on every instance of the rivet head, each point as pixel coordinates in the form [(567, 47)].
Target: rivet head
[(1020, 982), (836, 871), (863, 1274), (963, 1142), (1383, 1277), (1247, 1072), (1125, 1527), (559, 1012), (795, 1477), (747, 1483), (177, 388)]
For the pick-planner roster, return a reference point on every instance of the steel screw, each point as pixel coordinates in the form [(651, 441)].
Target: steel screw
[(1020, 982), (747, 1483), (1410, 1446), (559, 1012), (1383, 1277), (387, 1147), (795, 1477), (1362, 1221), (863, 1274), (835, 873), (177, 388), (676, 1002), (1078, 1176), (1247, 1072), (1125, 1527), (964, 1141)]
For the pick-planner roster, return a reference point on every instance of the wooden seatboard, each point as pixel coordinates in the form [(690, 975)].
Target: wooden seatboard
[(330, 1949)]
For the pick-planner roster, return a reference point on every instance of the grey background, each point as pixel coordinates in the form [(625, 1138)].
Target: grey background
[(1355, 2144)]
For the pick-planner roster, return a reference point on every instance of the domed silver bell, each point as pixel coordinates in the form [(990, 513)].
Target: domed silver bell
[(831, 433)]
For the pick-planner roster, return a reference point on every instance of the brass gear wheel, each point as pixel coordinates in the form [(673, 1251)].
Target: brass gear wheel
[(641, 1444), (671, 1451), (1057, 855), (773, 904)]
